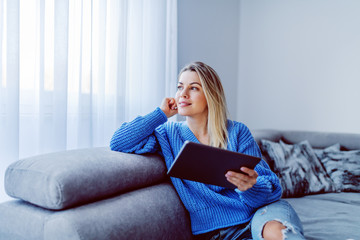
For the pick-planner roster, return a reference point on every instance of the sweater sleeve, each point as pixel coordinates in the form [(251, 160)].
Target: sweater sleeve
[(267, 188), (138, 135)]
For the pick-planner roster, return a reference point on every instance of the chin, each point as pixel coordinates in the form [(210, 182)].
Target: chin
[(183, 113)]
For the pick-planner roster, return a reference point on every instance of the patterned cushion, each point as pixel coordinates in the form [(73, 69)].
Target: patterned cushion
[(343, 168), (321, 153), (299, 170)]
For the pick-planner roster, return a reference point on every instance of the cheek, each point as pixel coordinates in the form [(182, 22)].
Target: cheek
[(177, 97), (202, 100)]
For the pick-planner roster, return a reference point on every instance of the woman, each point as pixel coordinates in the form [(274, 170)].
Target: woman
[(250, 211)]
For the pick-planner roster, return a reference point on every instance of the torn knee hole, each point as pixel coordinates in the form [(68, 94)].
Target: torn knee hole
[(274, 230)]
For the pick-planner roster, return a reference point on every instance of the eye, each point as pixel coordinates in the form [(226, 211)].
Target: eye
[(194, 88), (179, 87)]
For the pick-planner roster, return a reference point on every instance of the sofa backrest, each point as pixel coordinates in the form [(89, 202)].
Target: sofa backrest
[(347, 141)]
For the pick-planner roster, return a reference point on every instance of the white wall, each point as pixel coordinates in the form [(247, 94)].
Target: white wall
[(299, 65), (208, 32)]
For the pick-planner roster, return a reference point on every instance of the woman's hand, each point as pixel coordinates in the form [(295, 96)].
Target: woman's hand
[(169, 107), (242, 181)]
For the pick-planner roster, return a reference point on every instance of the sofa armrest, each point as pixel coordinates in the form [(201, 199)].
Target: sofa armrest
[(65, 179), (154, 212)]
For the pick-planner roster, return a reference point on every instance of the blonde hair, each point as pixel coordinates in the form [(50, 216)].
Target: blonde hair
[(216, 102)]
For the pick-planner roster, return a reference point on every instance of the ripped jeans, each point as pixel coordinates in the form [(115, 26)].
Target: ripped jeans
[(280, 211)]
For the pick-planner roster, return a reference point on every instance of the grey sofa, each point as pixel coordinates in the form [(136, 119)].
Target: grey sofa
[(100, 194), (325, 216)]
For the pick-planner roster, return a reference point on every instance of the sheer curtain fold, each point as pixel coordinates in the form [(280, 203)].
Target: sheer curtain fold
[(60, 91), (73, 71), (9, 98)]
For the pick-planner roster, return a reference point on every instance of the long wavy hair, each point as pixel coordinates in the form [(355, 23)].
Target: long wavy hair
[(216, 102)]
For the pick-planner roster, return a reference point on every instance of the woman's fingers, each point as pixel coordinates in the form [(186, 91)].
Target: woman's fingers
[(249, 172), (242, 181), (241, 185), (168, 106), (172, 104)]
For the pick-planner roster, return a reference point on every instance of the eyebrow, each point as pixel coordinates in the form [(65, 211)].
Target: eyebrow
[(191, 83)]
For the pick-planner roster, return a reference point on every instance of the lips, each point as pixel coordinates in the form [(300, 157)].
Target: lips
[(184, 104)]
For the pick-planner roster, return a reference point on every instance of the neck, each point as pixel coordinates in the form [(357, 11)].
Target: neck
[(199, 128)]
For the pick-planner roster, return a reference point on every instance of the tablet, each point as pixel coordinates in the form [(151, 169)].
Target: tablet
[(206, 164)]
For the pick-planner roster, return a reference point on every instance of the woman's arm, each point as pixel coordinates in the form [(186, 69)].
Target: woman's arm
[(138, 135), (261, 186)]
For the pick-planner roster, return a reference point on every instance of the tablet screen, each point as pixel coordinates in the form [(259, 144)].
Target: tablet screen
[(206, 164)]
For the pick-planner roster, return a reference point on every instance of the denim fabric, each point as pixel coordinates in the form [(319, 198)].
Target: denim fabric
[(241, 231), (280, 211)]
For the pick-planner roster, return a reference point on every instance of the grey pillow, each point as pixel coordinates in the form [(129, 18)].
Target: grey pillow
[(299, 170), (320, 153), (64, 179), (343, 168)]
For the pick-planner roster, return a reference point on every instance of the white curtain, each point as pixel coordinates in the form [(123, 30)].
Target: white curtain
[(73, 71)]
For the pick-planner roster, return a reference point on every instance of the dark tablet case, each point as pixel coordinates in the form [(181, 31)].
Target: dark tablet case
[(206, 164)]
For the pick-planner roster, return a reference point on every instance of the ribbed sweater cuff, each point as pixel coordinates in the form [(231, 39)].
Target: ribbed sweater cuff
[(257, 195), (155, 118)]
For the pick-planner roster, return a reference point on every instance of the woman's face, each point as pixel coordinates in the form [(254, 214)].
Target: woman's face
[(190, 97)]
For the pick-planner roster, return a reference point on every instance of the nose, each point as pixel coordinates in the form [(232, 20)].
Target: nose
[(184, 93)]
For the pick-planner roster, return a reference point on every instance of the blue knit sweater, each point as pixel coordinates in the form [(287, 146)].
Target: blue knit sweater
[(210, 207)]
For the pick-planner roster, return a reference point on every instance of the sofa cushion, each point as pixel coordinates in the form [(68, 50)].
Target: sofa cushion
[(320, 153), (343, 168), (153, 212), (20, 220), (64, 179), (299, 170), (329, 216)]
